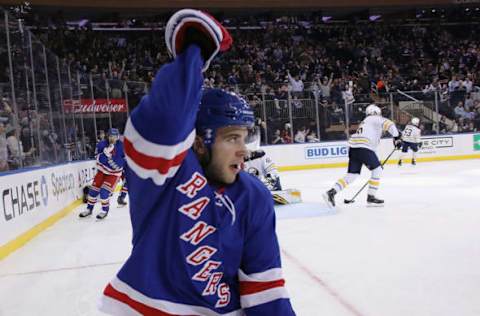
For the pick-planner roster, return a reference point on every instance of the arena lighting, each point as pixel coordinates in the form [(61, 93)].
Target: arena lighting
[(79, 23), (325, 19), (83, 22), (373, 18)]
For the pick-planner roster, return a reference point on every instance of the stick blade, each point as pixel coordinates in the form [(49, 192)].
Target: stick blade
[(348, 201)]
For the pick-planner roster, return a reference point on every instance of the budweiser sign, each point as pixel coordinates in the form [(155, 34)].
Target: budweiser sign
[(95, 105)]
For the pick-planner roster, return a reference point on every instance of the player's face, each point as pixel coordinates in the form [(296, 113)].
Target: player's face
[(112, 139), (228, 153)]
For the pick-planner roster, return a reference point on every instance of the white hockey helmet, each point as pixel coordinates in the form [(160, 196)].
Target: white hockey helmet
[(415, 121), (372, 109)]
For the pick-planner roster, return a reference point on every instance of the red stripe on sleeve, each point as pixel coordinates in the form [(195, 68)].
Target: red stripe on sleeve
[(155, 163), (249, 287), (139, 307)]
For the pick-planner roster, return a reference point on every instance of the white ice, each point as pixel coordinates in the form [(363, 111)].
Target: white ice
[(419, 255)]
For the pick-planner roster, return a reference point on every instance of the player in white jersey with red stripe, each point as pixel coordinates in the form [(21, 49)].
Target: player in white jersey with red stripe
[(411, 140), (362, 147)]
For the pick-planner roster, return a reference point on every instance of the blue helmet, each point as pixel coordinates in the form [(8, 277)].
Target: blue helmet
[(113, 132), (220, 108)]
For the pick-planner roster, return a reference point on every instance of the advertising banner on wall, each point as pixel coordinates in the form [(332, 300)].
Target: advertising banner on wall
[(476, 142), (326, 151), (95, 105), (433, 145), (335, 154), (30, 197)]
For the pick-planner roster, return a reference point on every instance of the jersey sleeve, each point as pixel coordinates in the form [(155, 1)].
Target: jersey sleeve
[(269, 167), (389, 126), (99, 148), (160, 131), (418, 133), (262, 290)]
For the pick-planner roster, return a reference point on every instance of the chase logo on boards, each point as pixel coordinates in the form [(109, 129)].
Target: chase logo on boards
[(19, 199), (333, 151)]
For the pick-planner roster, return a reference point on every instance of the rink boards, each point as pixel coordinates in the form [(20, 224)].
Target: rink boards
[(32, 200), (335, 154)]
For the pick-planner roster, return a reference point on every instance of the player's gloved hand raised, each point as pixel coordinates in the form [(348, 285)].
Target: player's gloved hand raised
[(397, 142), (190, 26)]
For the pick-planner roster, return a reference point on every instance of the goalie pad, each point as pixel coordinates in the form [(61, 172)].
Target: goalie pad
[(289, 196)]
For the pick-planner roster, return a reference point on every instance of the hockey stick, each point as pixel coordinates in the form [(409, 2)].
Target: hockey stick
[(363, 187)]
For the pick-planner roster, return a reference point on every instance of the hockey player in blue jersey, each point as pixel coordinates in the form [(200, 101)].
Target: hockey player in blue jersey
[(204, 240), (110, 160)]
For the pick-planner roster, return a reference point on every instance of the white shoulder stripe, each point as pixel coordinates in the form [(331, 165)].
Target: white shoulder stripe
[(156, 150), (265, 276), (263, 297)]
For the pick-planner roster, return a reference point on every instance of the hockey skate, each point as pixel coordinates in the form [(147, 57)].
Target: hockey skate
[(399, 162), (121, 201), (329, 197), (414, 162), (373, 201), (85, 213), (102, 215)]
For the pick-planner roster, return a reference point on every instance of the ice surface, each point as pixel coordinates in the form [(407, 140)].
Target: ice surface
[(418, 255)]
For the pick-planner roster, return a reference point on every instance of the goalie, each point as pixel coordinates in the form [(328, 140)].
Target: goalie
[(257, 163)]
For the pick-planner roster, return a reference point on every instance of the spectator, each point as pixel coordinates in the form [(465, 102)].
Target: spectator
[(296, 84), (3, 148), (460, 112), (300, 136), (312, 137)]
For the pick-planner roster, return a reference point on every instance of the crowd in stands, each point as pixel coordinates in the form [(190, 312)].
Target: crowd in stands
[(290, 68), (297, 59)]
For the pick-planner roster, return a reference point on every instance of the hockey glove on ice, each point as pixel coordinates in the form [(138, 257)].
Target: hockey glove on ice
[(190, 26)]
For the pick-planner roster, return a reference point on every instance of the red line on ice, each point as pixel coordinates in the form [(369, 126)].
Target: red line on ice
[(323, 284)]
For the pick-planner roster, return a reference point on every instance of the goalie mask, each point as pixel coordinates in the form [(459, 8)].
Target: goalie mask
[(219, 108)]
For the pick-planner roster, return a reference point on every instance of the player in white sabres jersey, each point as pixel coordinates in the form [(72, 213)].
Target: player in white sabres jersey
[(411, 140), (362, 147), (203, 237), (261, 166)]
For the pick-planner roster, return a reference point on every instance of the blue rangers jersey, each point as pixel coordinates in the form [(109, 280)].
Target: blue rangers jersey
[(113, 164), (197, 249)]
